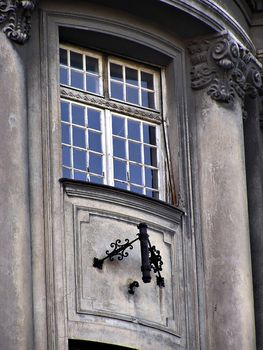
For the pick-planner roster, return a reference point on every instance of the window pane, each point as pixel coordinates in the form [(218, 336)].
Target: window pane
[(66, 156), (132, 95), (79, 137), (95, 163), (92, 64), (95, 141), (93, 119), (150, 157), (149, 134), (136, 174), (79, 158), (118, 126), (148, 99), (152, 194), (77, 79), (120, 171), (78, 115), (66, 173), (134, 130), (137, 189), (80, 176), (76, 60), (116, 71), (147, 80), (63, 57), (135, 152), (151, 178), (121, 185), (119, 148), (117, 90), (63, 76), (96, 179), (64, 107), (65, 133), (92, 84), (132, 76)]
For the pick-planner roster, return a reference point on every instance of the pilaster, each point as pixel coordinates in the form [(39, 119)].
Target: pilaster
[(223, 73)]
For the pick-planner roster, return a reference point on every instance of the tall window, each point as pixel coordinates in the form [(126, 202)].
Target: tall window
[(111, 121)]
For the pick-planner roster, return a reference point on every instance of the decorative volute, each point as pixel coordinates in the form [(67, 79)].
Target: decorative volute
[(16, 17), (224, 67)]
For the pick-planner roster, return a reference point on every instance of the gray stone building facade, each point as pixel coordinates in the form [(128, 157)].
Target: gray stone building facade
[(120, 113)]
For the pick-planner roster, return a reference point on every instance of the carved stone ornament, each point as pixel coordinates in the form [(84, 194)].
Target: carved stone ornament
[(16, 17), (224, 67)]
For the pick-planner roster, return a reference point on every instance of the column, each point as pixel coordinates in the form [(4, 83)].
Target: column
[(16, 316), (221, 69)]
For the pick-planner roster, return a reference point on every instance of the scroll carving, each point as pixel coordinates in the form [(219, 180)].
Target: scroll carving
[(225, 68), (16, 17)]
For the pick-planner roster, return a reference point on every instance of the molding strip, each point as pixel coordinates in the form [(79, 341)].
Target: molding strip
[(16, 16)]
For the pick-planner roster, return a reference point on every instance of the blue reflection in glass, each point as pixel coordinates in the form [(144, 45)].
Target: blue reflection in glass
[(76, 60), (119, 148), (63, 57), (79, 158), (147, 80), (149, 134), (78, 115), (96, 179), (66, 173), (137, 189), (117, 90), (63, 76), (121, 185), (65, 133), (92, 84), (77, 79), (132, 95), (136, 174), (79, 137), (131, 76), (120, 171), (66, 156), (95, 141), (92, 64), (150, 156), (80, 176), (148, 99), (134, 130), (93, 119), (152, 194), (95, 163), (151, 178), (135, 152), (116, 71), (64, 107), (118, 126)]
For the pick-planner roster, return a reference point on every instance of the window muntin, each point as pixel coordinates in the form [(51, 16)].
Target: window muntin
[(81, 70), (82, 142), (133, 84), (102, 145)]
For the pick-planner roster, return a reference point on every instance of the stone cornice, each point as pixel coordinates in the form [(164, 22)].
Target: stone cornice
[(224, 67), (15, 15)]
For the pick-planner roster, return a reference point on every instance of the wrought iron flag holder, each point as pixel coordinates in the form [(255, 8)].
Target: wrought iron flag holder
[(150, 256)]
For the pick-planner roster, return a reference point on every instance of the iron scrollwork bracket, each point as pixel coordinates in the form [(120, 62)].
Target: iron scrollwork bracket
[(150, 256), (16, 16)]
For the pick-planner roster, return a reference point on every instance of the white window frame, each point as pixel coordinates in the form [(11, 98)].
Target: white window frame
[(143, 114)]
